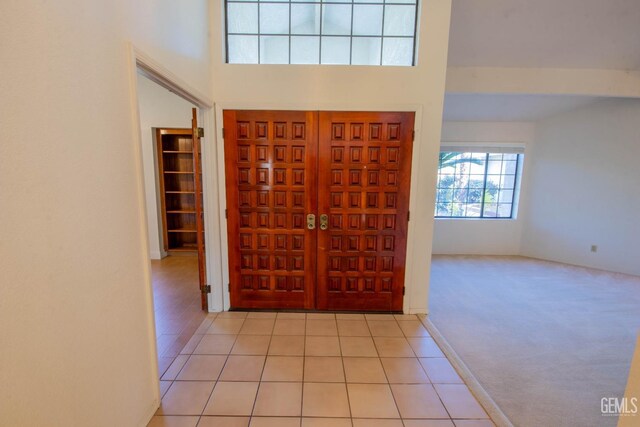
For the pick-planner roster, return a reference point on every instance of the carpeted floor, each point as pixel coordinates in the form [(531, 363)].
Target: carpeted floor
[(547, 341)]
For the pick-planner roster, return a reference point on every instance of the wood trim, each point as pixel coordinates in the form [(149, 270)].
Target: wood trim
[(311, 236), (174, 131), (198, 196), (318, 203), (161, 75), (163, 203), (231, 159)]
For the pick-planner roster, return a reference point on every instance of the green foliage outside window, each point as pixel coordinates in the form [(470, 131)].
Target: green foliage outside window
[(476, 185)]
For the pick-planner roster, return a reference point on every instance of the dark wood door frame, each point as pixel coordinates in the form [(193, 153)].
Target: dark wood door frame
[(199, 193), (181, 195)]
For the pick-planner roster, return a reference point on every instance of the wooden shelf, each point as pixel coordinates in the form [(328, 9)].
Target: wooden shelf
[(186, 247), (177, 152), (177, 188)]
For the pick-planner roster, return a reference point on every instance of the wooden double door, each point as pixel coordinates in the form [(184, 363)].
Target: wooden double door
[(317, 208)]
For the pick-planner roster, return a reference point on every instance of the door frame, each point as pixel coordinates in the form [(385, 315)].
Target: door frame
[(409, 280), (155, 71)]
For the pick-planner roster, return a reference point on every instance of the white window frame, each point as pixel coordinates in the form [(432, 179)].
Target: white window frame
[(489, 147)]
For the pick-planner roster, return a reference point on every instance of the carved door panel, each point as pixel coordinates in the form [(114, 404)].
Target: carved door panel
[(271, 183), (352, 172), (363, 188)]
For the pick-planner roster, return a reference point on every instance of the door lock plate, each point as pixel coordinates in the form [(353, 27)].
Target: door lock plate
[(311, 221), (324, 221)]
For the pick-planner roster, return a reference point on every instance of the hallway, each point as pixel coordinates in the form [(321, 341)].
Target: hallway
[(177, 305)]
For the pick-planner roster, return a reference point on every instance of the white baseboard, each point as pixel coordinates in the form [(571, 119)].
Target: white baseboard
[(155, 255)]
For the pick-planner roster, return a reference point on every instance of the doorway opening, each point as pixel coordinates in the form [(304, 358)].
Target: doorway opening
[(174, 198)]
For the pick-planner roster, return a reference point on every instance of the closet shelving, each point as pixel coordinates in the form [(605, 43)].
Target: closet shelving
[(177, 188)]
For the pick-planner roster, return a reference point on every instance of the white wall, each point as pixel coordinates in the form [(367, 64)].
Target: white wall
[(357, 88), (158, 108), (543, 81), (478, 236), (584, 188), (76, 319)]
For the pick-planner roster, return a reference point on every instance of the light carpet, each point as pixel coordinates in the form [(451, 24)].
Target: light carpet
[(546, 340)]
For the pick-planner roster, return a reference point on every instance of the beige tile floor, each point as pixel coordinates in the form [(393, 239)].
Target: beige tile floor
[(314, 370)]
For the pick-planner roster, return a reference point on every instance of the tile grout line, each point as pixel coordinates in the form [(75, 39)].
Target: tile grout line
[(422, 321), (380, 360), (385, 372), (432, 386), (387, 377), (255, 400), (304, 363), (222, 369), (182, 354), (473, 385), (344, 372), (418, 357)]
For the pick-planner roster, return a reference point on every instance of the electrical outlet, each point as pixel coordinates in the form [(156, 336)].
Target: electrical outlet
[(594, 248)]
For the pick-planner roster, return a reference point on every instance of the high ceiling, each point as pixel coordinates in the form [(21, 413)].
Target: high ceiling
[(508, 108), (603, 34)]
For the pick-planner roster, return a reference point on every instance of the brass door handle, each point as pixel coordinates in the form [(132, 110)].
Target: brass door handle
[(311, 221), (324, 221)]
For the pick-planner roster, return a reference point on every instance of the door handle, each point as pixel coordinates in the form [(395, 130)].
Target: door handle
[(324, 221), (311, 221)]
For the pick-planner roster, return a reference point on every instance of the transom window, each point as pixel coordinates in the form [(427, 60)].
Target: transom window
[(476, 185), (349, 32)]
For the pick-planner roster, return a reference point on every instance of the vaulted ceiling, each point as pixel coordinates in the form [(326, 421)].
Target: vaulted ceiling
[(508, 108), (556, 34), (603, 34)]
